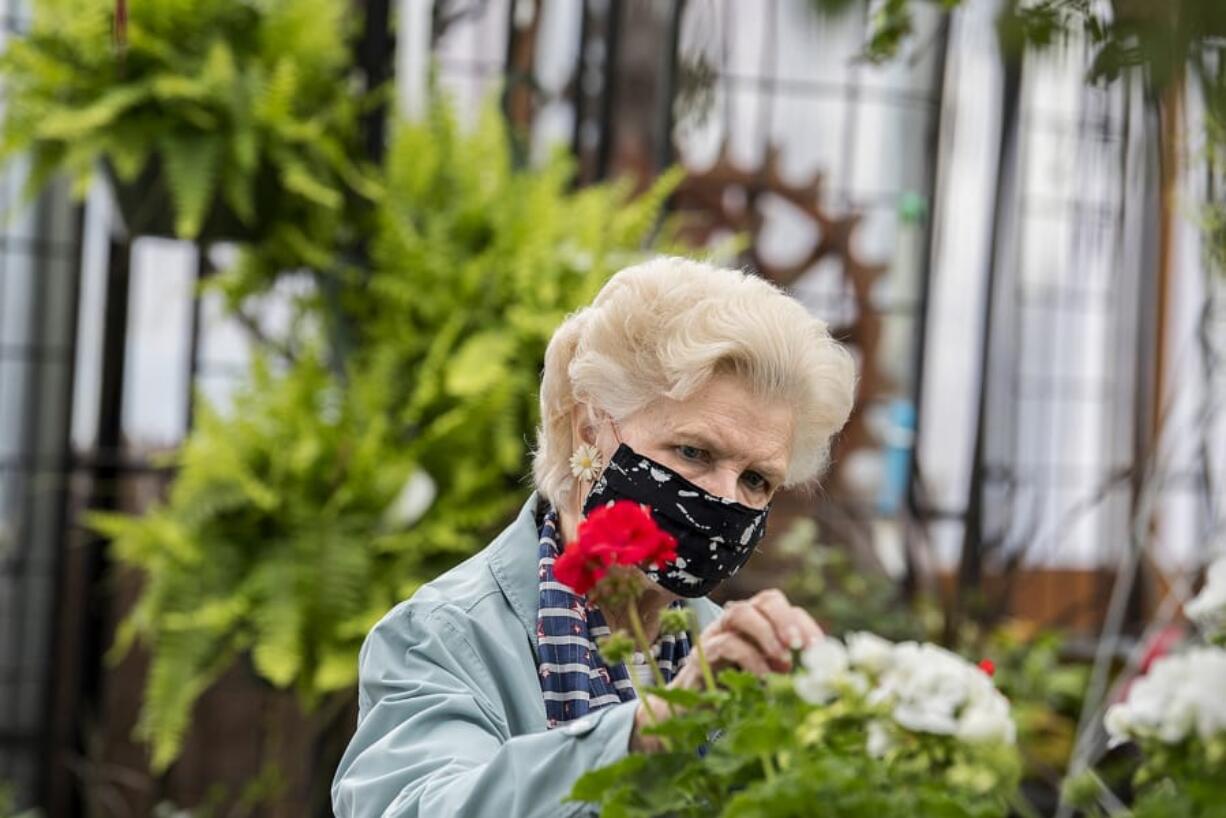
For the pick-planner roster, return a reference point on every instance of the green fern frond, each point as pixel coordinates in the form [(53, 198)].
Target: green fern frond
[(275, 106), (277, 650), (298, 179), (192, 165), (264, 79), (69, 125), (182, 668)]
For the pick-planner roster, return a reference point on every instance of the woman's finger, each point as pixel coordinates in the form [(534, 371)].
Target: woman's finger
[(808, 625), (794, 627), (728, 648), (748, 621)]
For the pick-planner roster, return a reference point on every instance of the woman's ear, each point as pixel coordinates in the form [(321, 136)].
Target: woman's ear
[(582, 430)]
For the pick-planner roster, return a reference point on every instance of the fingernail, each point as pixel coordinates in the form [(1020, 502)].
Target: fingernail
[(794, 639)]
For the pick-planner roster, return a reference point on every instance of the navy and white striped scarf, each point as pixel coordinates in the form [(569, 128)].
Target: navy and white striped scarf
[(574, 679)]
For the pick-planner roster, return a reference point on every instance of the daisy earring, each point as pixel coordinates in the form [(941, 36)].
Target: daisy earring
[(586, 462)]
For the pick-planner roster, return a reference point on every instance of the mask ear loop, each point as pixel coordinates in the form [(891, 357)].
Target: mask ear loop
[(613, 425), (616, 436)]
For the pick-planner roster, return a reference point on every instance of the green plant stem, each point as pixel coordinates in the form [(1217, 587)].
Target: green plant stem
[(707, 675), (640, 636), (651, 711), (1019, 805), (768, 766)]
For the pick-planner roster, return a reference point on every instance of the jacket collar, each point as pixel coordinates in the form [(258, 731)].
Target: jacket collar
[(513, 561)]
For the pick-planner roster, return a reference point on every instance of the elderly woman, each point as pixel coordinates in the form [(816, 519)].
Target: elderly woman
[(696, 390)]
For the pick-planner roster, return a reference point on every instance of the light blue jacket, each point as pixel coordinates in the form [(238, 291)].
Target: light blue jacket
[(450, 716)]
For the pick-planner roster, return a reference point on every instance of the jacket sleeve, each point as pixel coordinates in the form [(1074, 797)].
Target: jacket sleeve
[(430, 742)]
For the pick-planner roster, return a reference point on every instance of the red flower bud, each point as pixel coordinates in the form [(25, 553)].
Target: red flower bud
[(987, 666)]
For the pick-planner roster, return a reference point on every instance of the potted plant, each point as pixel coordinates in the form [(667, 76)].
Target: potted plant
[(215, 119)]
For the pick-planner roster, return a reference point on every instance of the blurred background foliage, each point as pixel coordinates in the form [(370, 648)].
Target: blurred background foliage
[(824, 579)]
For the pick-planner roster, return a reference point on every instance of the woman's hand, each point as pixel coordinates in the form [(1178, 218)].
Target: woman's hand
[(757, 635)]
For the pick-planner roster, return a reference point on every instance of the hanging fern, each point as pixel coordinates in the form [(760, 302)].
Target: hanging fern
[(279, 539), (241, 112)]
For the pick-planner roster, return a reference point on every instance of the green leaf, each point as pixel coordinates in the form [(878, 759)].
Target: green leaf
[(69, 124), (479, 363), (237, 192), (192, 165), (298, 179), (277, 653), (173, 87), (593, 785)]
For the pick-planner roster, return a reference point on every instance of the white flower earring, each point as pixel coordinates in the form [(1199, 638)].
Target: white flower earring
[(585, 463)]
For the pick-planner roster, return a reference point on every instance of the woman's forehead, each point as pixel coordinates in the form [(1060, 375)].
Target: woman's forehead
[(727, 417)]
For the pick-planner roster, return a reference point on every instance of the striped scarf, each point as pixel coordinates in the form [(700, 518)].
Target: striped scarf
[(574, 679)]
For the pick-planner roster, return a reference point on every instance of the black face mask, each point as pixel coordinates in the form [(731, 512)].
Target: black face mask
[(715, 536)]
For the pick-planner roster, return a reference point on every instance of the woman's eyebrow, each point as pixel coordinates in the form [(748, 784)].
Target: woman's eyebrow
[(775, 476), (699, 439), (703, 441)]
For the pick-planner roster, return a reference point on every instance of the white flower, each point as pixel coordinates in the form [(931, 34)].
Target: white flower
[(869, 652), (1180, 696), (825, 669), (879, 741), (1208, 609), (925, 688), (585, 462), (986, 718), (935, 691), (1118, 722), (856, 682)]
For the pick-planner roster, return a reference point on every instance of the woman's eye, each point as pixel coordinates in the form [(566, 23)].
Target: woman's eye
[(755, 481), (691, 452)]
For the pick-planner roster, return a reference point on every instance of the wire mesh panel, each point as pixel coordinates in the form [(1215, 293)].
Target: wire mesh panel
[(38, 292), (1074, 302), (832, 162)]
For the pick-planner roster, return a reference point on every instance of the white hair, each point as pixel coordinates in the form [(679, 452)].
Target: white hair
[(662, 329)]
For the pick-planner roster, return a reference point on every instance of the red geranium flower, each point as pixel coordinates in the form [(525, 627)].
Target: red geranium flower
[(623, 533), (987, 666)]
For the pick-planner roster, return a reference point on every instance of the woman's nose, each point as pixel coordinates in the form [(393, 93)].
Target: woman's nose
[(721, 483)]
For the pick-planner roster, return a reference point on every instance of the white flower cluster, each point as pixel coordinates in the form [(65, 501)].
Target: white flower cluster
[(1208, 609), (1180, 696), (926, 688)]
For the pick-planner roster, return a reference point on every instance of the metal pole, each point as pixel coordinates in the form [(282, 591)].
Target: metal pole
[(203, 270), (604, 152), (579, 98), (24, 543), (970, 569), (927, 270), (50, 749), (104, 497), (664, 145), (376, 55)]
